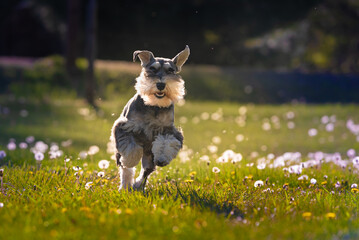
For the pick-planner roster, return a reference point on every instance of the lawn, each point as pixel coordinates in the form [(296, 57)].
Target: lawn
[(202, 194)]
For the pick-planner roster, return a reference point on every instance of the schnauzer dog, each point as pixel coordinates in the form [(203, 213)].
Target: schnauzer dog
[(146, 128)]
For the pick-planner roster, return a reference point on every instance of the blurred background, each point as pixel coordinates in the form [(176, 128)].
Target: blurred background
[(256, 51)]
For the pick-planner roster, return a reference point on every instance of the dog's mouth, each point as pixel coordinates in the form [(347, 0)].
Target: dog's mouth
[(160, 95)]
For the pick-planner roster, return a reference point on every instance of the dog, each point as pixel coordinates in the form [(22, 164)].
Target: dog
[(145, 129)]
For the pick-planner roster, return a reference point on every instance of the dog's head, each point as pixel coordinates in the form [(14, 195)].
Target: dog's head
[(159, 83)]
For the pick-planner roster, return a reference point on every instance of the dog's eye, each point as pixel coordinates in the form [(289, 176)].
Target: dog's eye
[(153, 69)]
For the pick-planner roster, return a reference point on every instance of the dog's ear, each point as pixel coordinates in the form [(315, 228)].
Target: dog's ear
[(181, 58), (145, 56)]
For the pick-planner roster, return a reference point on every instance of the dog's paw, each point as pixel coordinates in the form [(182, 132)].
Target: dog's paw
[(162, 161)]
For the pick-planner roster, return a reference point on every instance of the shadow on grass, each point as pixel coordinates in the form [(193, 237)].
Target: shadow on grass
[(209, 201)]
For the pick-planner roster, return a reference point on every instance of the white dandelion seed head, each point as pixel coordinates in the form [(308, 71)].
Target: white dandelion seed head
[(103, 164), (2, 154), (337, 185), (30, 139), (67, 160), (239, 137), (39, 156), (312, 132), (93, 150), (313, 181), (1, 205), (88, 185), (216, 170), (11, 146), (261, 166), (23, 145), (351, 153), (76, 168), (216, 140), (303, 177), (212, 148), (258, 183), (354, 185), (101, 174), (83, 154), (204, 158), (356, 161)]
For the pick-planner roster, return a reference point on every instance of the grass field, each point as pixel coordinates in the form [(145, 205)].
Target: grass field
[(190, 198)]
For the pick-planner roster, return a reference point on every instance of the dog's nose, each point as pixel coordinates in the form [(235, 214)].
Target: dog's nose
[(161, 86)]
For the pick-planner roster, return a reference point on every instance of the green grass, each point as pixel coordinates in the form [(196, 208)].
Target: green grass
[(185, 200)]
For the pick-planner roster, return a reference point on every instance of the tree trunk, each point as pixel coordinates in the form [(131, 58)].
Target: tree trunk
[(90, 51), (73, 22)]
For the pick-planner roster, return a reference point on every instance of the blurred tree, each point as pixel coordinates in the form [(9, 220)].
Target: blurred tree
[(73, 24), (91, 51)]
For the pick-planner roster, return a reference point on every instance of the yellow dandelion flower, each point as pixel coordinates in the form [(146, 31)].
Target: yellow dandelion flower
[(354, 190), (64, 210), (85, 209), (128, 211), (249, 177), (330, 215), (233, 172), (307, 215), (30, 172), (192, 174), (188, 181), (324, 183)]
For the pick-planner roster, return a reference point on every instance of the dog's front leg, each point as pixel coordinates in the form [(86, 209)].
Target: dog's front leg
[(165, 148), (147, 168)]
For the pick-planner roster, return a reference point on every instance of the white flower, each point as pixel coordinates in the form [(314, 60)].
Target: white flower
[(313, 181), (11, 146), (356, 161), (67, 160), (337, 185), (1, 205), (296, 169), (351, 153), (2, 154), (88, 185), (261, 166), (258, 183), (30, 139), (93, 150), (83, 154), (312, 132), (216, 170), (303, 177), (39, 156), (23, 145), (103, 164), (354, 185), (76, 168), (100, 174)]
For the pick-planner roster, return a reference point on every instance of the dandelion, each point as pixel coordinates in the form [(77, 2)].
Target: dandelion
[(103, 164), (356, 161), (212, 148), (39, 156), (188, 181), (324, 183), (312, 132), (30, 139), (354, 185), (239, 138), (83, 154), (303, 177), (258, 183), (1, 205), (337, 185), (313, 181), (290, 125), (330, 215), (2, 154), (307, 215), (23, 145), (192, 174), (101, 174), (216, 170), (76, 168), (11, 146), (40, 146), (88, 185), (354, 190), (261, 166), (216, 140), (93, 150)]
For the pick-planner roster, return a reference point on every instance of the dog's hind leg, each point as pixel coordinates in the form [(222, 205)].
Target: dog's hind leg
[(147, 168)]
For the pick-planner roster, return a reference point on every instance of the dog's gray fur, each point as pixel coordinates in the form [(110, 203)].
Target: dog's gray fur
[(146, 128)]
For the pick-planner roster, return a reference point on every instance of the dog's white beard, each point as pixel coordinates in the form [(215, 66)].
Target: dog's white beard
[(174, 91)]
